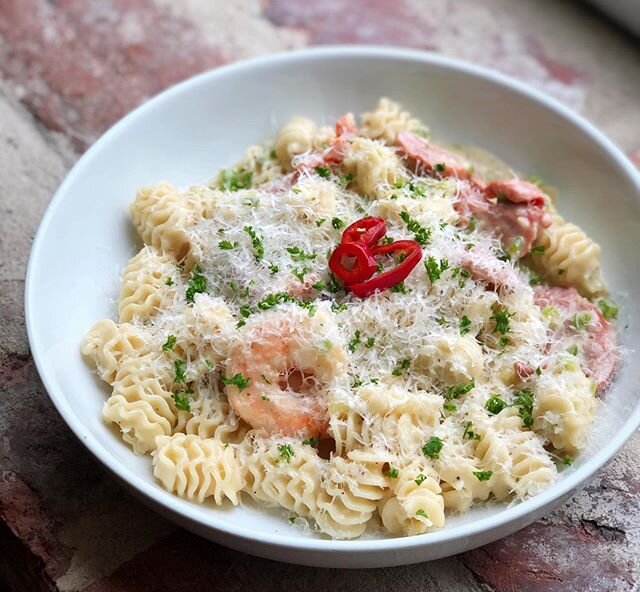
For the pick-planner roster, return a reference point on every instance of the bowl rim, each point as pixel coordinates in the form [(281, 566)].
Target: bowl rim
[(516, 513)]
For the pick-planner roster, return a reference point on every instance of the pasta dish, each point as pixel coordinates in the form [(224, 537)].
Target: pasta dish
[(363, 327)]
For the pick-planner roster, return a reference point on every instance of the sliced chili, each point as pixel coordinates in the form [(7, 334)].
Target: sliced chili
[(367, 230), (412, 252), (352, 262)]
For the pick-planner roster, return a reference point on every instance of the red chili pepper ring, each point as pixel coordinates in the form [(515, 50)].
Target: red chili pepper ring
[(413, 254), (352, 262), (367, 230)]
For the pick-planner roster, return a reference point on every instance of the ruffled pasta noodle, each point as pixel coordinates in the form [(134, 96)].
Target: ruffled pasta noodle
[(294, 138), (144, 289), (197, 468), (386, 120), (416, 506), (569, 258), (250, 374), (109, 345)]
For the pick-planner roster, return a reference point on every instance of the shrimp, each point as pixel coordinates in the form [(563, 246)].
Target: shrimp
[(288, 361)]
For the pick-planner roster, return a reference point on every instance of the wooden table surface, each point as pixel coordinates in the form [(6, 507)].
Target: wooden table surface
[(68, 70)]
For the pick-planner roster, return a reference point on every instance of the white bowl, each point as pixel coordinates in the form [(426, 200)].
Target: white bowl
[(189, 131)]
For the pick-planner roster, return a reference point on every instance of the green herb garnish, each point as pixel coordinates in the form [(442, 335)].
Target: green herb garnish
[(465, 325), (197, 284), (453, 392), (236, 380), (170, 343), (286, 452), (495, 404), (422, 235), (524, 402), (181, 401), (433, 447), (234, 179), (609, 308), (256, 242)]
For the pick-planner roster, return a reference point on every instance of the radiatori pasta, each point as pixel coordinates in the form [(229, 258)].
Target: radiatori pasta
[(357, 327)]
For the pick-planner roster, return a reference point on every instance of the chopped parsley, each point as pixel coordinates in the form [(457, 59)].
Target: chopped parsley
[(181, 401), (337, 223), (170, 343), (449, 406), (432, 448), (468, 433), (245, 310), (271, 300), (453, 392), (226, 245), (300, 273), (483, 475), (524, 402), (567, 460), (179, 367), (273, 268), (581, 320), (323, 172), (573, 350), (435, 269), (440, 167), (311, 441), (234, 179), (539, 250), (420, 511), (420, 479), (236, 380), (392, 473), (319, 285), (169, 282), (256, 242), (335, 307), (609, 308), (465, 325), (197, 284), (370, 342), (495, 404), (297, 254), (333, 285), (422, 235), (286, 452), (346, 179), (209, 363), (501, 318), (399, 288), (355, 341), (535, 280), (401, 366), (515, 246), (464, 274), (357, 382), (320, 222)]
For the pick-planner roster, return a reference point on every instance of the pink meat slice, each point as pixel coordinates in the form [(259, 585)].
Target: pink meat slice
[(334, 154), (597, 342), (512, 218), (484, 266), (345, 130), (517, 191), (426, 156)]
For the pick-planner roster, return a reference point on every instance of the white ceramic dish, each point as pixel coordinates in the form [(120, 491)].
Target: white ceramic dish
[(185, 134)]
